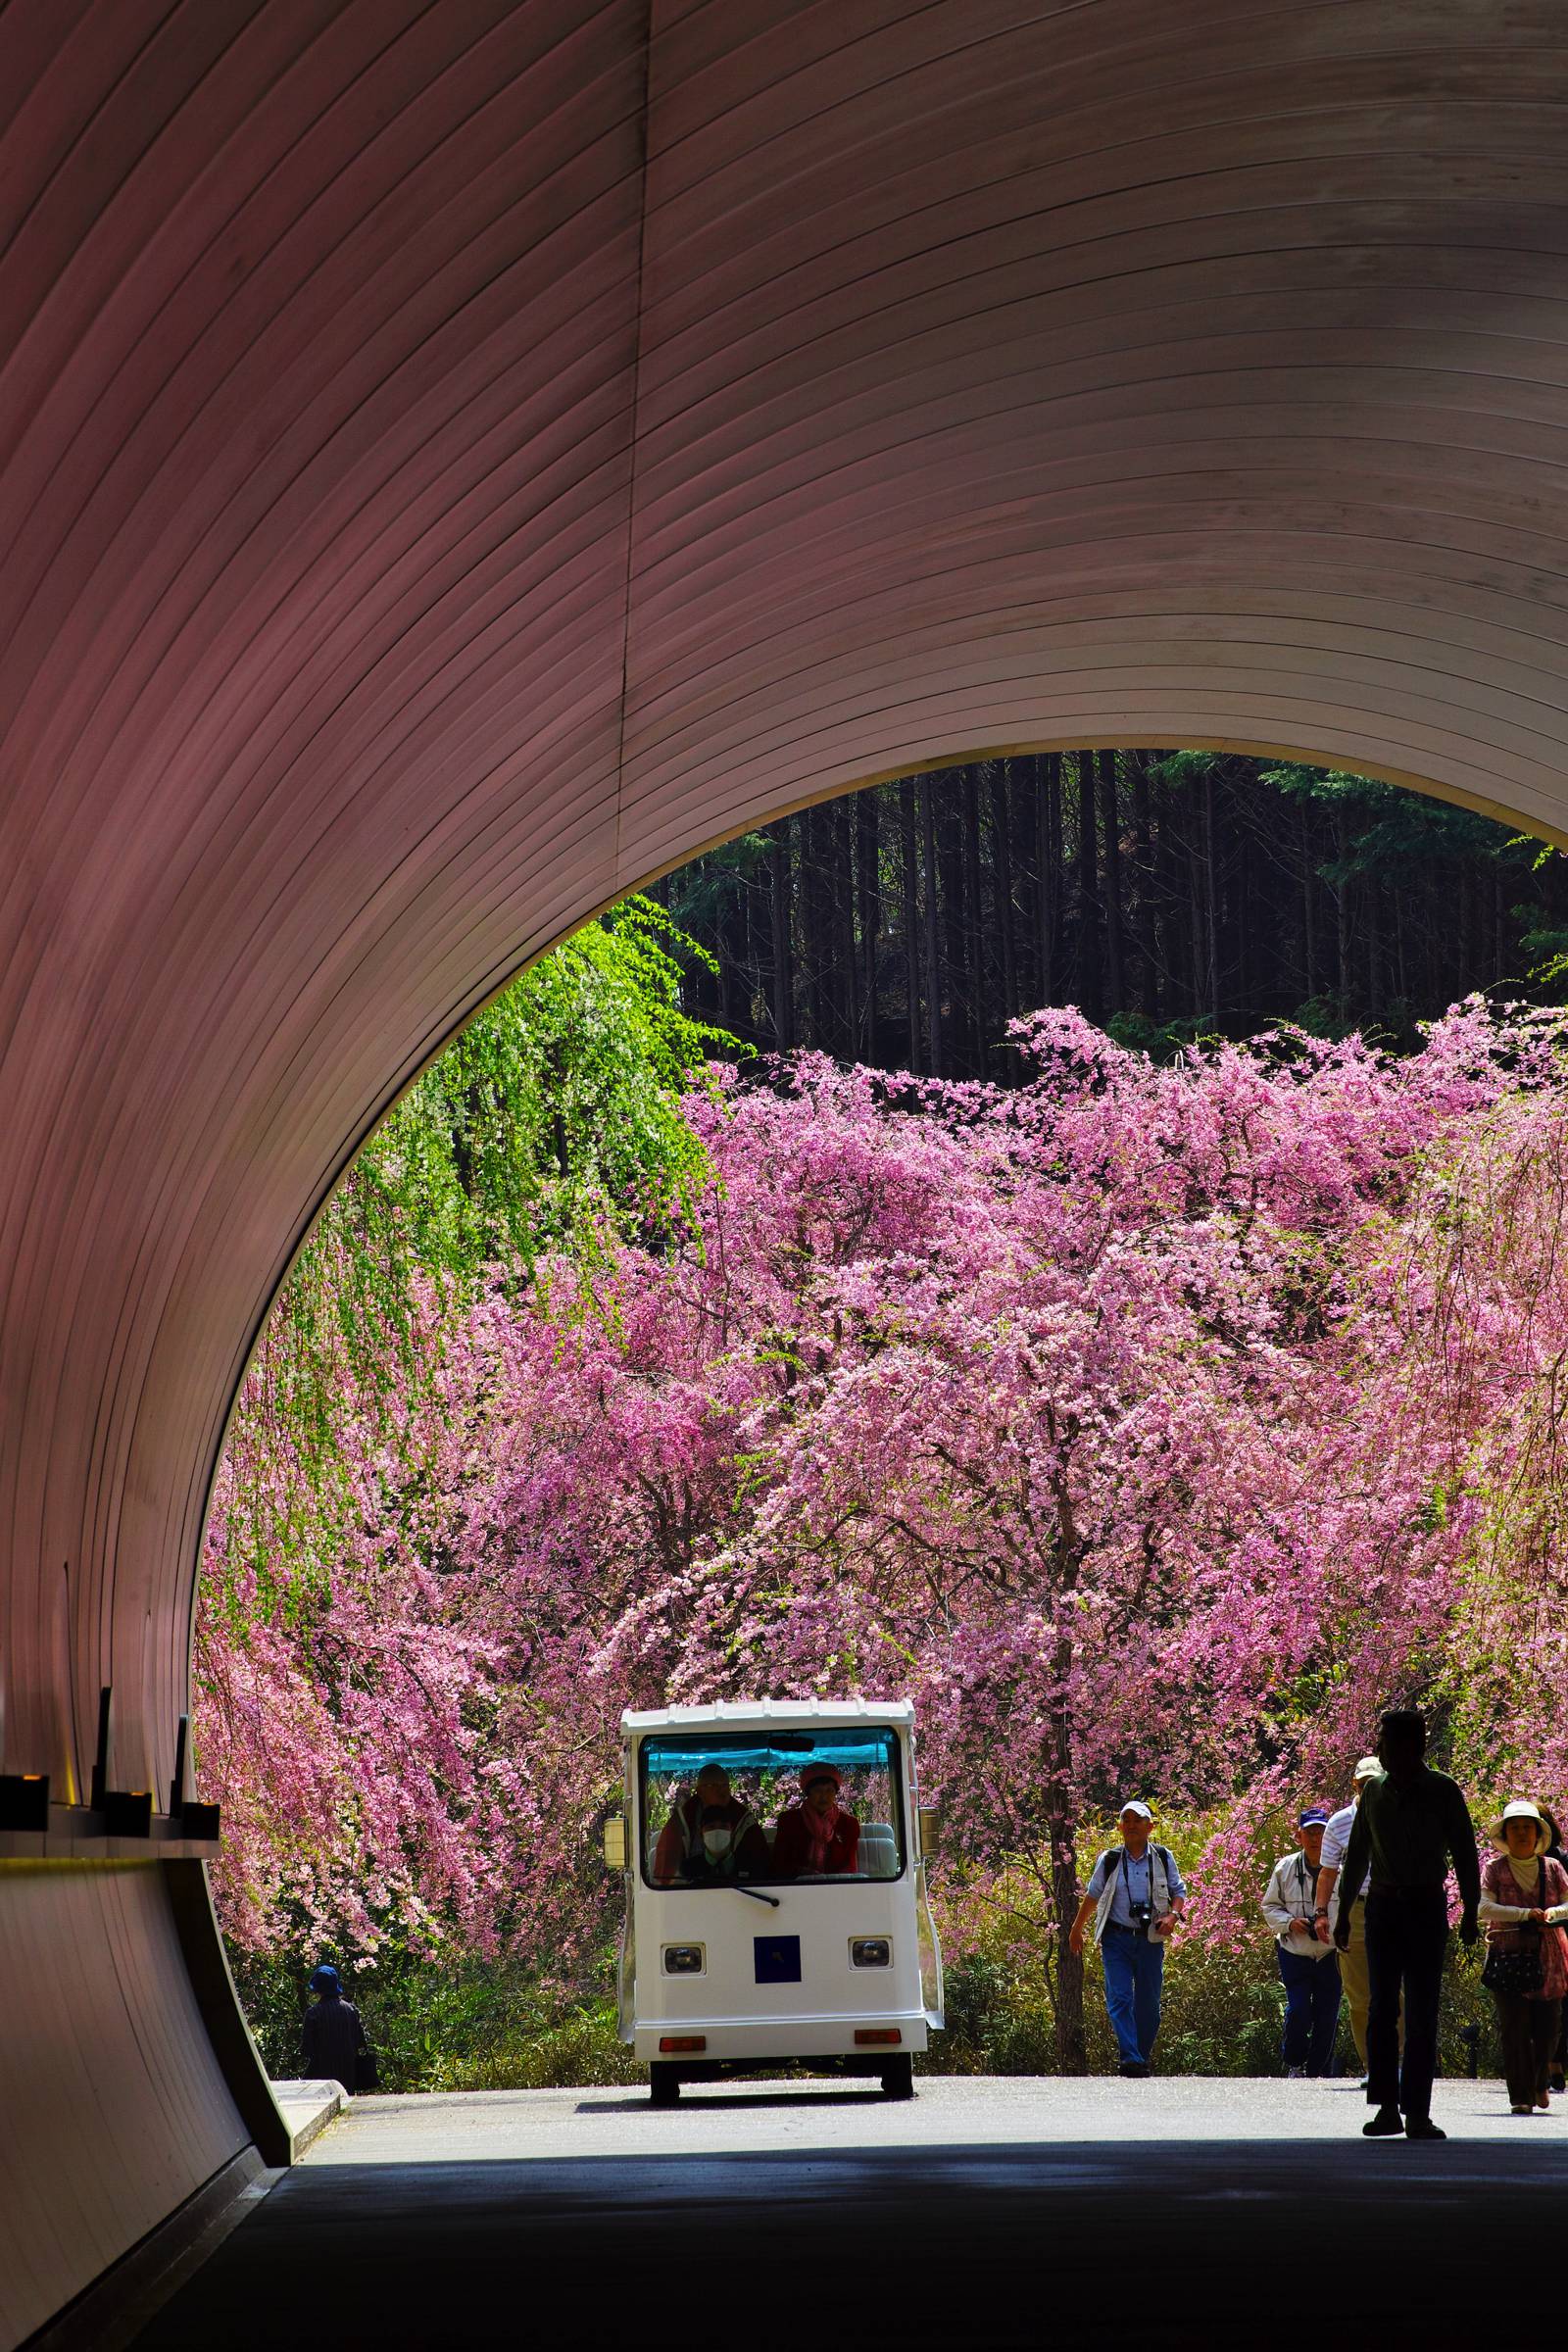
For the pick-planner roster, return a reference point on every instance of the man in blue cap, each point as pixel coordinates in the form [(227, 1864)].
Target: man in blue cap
[(332, 2034), (1308, 1967)]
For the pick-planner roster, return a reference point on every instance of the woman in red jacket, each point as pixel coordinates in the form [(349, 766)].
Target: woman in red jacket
[(817, 1837)]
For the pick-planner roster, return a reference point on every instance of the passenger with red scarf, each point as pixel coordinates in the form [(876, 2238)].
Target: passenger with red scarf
[(817, 1838)]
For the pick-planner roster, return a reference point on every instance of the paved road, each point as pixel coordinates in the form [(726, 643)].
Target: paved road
[(984, 2213)]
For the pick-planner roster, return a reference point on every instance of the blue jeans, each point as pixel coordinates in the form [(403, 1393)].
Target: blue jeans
[(1135, 1976), (1311, 2009)]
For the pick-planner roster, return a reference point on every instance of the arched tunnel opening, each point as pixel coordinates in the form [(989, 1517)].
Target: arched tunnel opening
[(374, 1493), (456, 463)]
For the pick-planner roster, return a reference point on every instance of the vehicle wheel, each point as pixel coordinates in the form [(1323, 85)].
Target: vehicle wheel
[(898, 2078), (663, 2086)]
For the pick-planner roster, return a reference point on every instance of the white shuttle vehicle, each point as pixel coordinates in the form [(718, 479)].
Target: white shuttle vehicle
[(734, 1968)]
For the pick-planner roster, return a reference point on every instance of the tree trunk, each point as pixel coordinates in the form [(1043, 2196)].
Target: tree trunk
[(1143, 834), (1088, 998), (1072, 2045), (1308, 920), (1111, 817), (1374, 948), (1467, 975), (909, 861), (974, 928), (1048, 861), (844, 982), (1341, 847), (1211, 1004), (1001, 870), (869, 853), (933, 933), (781, 896)]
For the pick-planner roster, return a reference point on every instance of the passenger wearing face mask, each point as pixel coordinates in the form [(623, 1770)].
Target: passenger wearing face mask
[(692, 1844), (726, 1849)]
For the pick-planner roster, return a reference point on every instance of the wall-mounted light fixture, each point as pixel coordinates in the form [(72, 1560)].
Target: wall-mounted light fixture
[(24, 1800)]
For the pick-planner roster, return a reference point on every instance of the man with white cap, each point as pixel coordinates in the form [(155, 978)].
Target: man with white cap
[(1309, 1969), (1136, 1895), (1352, 1960)]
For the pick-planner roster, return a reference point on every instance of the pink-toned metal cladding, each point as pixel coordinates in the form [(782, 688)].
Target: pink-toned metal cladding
[(458, 459)]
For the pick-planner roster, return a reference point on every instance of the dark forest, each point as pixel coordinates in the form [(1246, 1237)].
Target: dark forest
[(1170, 895)]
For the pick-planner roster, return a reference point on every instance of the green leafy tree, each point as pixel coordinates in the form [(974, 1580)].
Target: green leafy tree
[(551, 1124)]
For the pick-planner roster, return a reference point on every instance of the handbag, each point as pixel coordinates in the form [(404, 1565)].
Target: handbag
[(1521, 1969), (367, 2070)]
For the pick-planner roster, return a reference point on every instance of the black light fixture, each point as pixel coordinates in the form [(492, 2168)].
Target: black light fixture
[(177, 1787), (127, 1812), (24, 1800), (100, 1762), (189, 1817)]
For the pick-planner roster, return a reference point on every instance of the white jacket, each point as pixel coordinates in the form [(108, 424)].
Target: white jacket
[(1161, 1888), (1288, 1901)]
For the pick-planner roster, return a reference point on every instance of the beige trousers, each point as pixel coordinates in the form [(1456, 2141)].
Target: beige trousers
[(1354, 1976)]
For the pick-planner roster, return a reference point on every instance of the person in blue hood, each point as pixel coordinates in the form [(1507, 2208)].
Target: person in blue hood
[(332, 2037)]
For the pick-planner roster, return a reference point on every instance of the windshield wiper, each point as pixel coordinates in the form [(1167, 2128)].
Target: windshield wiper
[(753, 1894)]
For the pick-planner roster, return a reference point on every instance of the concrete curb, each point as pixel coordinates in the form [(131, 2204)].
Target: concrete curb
[(307, 2108)]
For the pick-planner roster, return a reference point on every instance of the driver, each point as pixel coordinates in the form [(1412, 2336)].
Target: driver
[(709, 1833), (817, 1838)]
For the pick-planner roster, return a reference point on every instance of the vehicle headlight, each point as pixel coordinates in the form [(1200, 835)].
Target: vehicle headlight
[(870, 1951), (683, 1959)]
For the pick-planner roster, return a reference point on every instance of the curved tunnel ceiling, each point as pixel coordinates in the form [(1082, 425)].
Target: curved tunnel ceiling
[(458, 459)]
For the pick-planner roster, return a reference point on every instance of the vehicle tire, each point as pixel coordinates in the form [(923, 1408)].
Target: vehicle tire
[(898, 2078), (663, 2086)]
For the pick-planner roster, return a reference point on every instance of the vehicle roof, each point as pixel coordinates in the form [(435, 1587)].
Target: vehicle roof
[(747, 1714)]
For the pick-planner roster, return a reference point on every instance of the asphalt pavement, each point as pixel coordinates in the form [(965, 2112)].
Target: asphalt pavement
[(984, 2212)]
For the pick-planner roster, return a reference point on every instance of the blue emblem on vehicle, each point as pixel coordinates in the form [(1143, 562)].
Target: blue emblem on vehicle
[(778, 1959)]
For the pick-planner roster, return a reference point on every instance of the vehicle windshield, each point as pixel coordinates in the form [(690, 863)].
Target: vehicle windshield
[(821, 1807)]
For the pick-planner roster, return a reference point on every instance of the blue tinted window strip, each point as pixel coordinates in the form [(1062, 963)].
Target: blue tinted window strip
[(662, 1755)]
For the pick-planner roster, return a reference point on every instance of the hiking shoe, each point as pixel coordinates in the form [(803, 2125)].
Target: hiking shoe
[(1421, 2126), (1133, 2069), (1295, 2074), (1384, 2125)]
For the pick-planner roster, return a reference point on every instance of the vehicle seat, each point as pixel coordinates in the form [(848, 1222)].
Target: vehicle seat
[(877, 1856)]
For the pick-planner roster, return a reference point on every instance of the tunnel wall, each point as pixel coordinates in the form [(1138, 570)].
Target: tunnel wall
[(457, 461), (104, 2054)]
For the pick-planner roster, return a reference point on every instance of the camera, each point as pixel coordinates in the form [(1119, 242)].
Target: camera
[(1142, 1914)]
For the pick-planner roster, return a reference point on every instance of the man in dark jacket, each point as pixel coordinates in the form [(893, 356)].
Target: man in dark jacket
[(332, 2034), (1410, 1826)]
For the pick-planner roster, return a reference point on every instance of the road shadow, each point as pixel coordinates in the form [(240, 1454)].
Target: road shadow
[(704, 2099), (946, 2245)]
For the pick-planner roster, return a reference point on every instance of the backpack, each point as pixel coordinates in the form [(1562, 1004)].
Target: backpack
[(1112, 1856)]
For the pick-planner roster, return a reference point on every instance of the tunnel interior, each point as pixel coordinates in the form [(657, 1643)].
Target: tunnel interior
[(460, 461)]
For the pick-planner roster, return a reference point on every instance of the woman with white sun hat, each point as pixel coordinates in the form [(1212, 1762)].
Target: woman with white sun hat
[(1524, 1899)]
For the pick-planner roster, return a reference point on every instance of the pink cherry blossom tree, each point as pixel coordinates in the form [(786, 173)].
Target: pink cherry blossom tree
[(1149, 1425)]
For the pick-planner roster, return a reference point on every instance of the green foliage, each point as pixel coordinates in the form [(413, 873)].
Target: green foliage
[(448, 2026), (555, 1112), (550, 1123), (1388, 829)]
